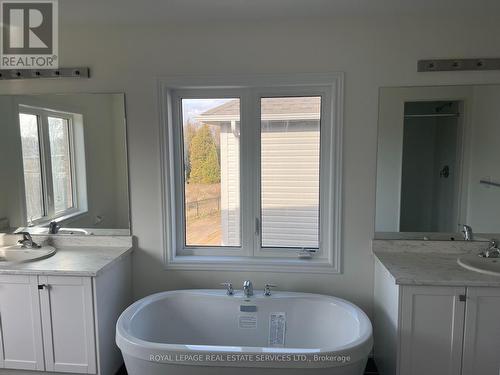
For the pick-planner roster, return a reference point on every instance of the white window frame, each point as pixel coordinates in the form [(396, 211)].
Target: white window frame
[(79, 204), (250, 256)]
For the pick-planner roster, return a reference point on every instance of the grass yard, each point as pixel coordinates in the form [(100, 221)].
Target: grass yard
[(203, 217)]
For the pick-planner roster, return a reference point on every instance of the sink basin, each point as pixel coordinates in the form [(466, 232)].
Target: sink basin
[(473, 262), (15, 254)]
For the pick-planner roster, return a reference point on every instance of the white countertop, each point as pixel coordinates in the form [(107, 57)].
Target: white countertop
[(71, 261), (431, 263), (75, 255)]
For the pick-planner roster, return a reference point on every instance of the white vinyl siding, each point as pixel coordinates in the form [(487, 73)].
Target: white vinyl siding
[(290, 185), (230, 184)]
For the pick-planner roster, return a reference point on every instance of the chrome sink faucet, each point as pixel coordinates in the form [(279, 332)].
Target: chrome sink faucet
[(54, 227), (247, 288), (27, 241)]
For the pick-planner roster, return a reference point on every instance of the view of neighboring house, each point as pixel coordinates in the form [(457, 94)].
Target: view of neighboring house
[(289, 168)]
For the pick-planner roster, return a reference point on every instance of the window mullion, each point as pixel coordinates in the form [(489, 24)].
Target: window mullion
[(72, 156), (178, 187), (47, 166), (246, 174), (255, 168)]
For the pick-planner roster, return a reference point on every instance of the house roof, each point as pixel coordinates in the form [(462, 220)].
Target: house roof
[(290, 108)]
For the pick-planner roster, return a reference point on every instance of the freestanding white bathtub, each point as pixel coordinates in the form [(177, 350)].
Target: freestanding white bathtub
[(207, 332)]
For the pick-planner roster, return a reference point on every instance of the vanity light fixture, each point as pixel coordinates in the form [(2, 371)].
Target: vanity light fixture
[(44, 73), (449, 65)]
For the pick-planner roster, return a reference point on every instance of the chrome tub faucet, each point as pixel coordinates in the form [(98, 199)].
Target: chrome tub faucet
[(247, 288), (467, 231)]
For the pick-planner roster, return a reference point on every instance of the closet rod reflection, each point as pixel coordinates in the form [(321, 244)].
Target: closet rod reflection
[(486, 182), (434, 115)]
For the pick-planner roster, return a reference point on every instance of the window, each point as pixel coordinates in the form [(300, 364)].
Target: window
[(60, 158), (49, 164), (30, 141), (252, 174), (289, 172), (211, 171)]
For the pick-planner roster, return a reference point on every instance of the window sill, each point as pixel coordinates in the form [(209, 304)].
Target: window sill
[(242, 264), (68, 216), (63, 218)]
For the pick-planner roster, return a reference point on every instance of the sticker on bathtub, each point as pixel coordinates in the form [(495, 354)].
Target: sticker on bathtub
[(277, 328), (247, 321)]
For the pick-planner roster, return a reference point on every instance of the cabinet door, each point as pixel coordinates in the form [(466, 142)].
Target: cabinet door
[(68, 324), (20, 326), (482, 332), (432, 320)]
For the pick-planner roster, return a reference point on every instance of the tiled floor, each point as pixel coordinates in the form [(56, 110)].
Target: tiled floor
[(371, 369)]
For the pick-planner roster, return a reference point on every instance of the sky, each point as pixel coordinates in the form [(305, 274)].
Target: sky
[(194, 107)]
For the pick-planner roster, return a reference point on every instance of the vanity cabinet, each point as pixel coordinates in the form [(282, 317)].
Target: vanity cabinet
[(435, 330), (482, 332), (53, 323), (431, 330), (21, 344), (68, 324)]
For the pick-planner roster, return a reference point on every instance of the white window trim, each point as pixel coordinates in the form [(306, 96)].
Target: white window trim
[(330, 87), (78, 175)]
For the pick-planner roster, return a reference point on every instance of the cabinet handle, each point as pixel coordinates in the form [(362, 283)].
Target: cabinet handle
[(42, 286), (462, 298)]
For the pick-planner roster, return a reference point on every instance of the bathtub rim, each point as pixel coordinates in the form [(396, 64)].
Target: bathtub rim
[(357, 350)]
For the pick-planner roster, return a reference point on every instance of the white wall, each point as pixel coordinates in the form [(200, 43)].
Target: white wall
[(418, 170), (4, 181), (484, 201), (428, 201), (12, 162), (121, 212), (372, 51)]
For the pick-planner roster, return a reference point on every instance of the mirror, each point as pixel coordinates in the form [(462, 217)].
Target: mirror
[(438, 163), (63, 164)]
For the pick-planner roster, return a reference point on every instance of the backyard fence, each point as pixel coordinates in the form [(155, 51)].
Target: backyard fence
[(204, 207)]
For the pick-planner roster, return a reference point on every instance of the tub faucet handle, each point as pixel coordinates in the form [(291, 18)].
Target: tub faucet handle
[(267, 289), (229, 287)]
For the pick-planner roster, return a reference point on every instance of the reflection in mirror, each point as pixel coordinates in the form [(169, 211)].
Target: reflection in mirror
[(63, 164), (438, 162), (430, 167)]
